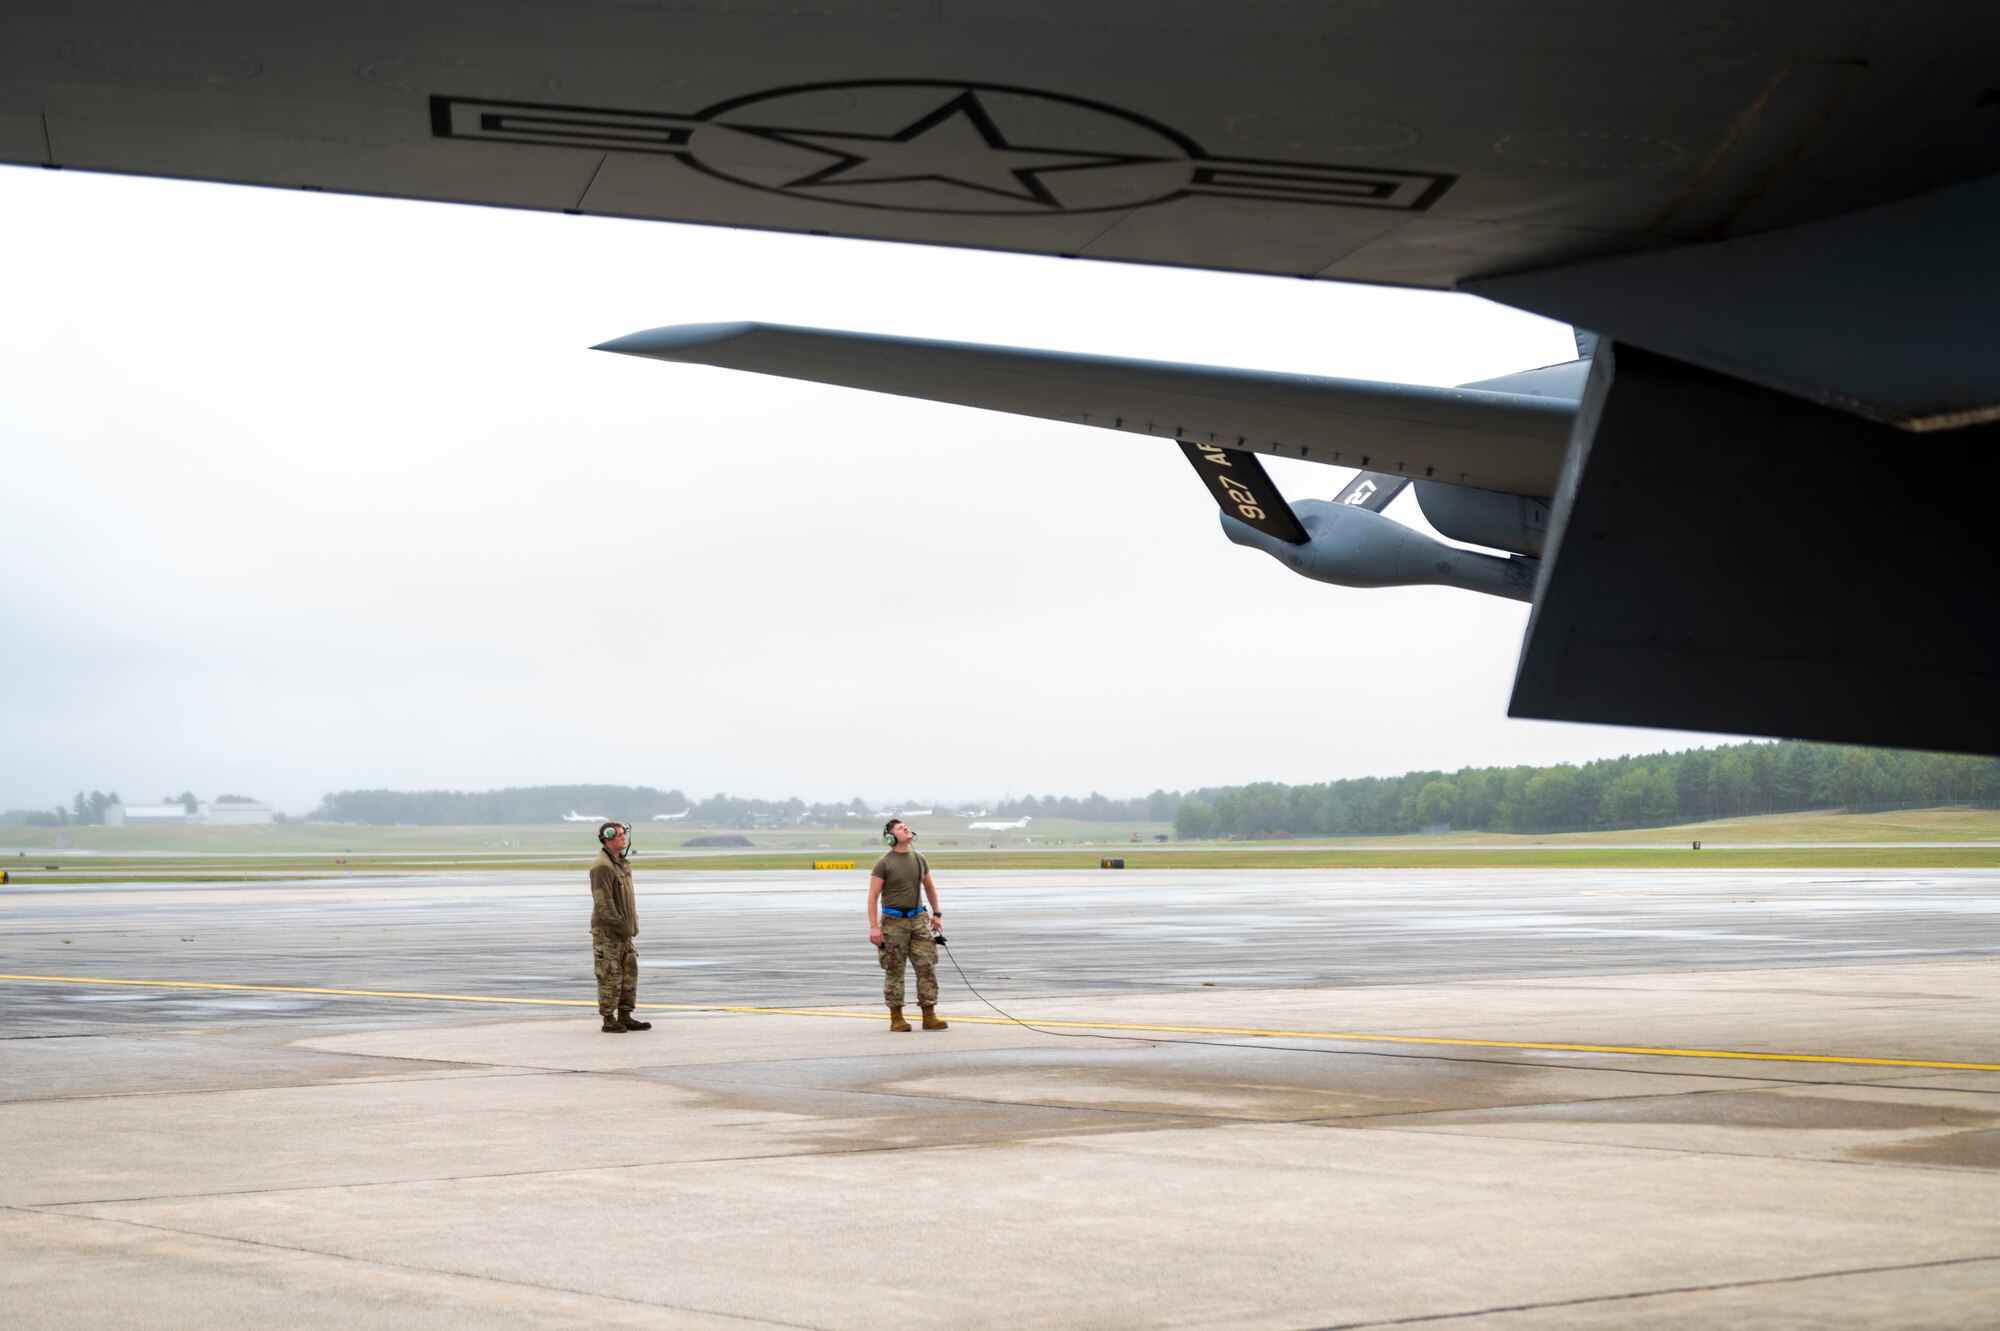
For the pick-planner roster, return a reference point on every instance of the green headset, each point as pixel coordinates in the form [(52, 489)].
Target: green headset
[(888, 837), (606, 832)]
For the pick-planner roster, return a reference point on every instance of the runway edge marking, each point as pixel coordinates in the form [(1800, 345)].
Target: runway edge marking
[(1335, 1036)]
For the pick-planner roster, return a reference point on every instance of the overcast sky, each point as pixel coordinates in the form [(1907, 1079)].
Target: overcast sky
[(311, 493)]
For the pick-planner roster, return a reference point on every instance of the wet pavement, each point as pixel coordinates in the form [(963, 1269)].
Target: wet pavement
[(790, 939), (1500, 1099)]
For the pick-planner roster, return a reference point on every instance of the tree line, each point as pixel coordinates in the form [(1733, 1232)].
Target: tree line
[(1157, 807), (547, 804), (1729, 782), (88, 810), (542, 804)]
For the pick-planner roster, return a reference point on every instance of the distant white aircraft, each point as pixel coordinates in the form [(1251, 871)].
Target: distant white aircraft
[(574, 817), (671, 817), (916, 813), (1014, 826)]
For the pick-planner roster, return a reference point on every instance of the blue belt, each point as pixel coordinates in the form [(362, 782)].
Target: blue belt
[(902, 914)]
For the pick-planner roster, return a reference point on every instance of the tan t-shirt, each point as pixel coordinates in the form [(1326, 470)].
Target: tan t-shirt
[(902, 879)]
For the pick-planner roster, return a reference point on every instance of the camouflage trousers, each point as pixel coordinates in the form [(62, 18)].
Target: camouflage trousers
[(617, 964), (908, 940)]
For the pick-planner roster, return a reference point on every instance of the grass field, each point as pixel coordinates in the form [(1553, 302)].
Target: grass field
[(293, 850), (1802, 828)]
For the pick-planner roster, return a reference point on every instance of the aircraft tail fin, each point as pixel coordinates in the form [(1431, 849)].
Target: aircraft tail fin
[(1245, 490)]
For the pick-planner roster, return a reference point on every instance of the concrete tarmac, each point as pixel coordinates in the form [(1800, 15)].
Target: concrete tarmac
[(1269, 1099)]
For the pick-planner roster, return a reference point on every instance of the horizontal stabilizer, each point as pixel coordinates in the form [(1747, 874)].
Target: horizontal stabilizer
[(1509, 442), (1245, 491)]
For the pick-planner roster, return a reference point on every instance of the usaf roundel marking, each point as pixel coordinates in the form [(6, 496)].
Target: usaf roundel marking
[(934, 147)]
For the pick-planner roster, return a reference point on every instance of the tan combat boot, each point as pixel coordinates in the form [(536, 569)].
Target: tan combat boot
[(933, 1022), (896, 1022), (632, 1023), (612, 1026)]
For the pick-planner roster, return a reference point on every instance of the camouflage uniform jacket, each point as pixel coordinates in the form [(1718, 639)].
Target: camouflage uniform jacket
[(612, 908)]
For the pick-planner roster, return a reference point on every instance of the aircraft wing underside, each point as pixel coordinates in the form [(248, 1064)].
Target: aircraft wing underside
[(1432, 143), (1778, 217), (1509, 442)]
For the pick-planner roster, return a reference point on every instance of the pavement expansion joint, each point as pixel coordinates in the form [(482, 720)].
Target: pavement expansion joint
[(356, 1185), (334, 1084), (1634, 1295), (933, 1096), (1576, 1101), (74, 1035), (1703, 1152), (431, 1271)]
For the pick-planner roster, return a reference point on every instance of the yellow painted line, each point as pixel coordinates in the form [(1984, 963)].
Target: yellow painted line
[(1513, 1044), (448, 998), (293, 989), (1336, 1036)]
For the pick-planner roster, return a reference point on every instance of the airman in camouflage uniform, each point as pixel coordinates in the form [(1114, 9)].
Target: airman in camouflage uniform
[(614, 920), (901, 929)]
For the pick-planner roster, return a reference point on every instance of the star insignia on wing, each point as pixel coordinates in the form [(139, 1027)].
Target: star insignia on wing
[(959, 144)]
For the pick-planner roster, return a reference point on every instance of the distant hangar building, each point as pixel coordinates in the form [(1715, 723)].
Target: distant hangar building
[(146, 815)]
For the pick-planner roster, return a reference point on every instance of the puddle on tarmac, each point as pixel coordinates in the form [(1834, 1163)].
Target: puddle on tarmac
[(1134, 1087), (1273, 1086), (1745, 1109), (1957, 1150)]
